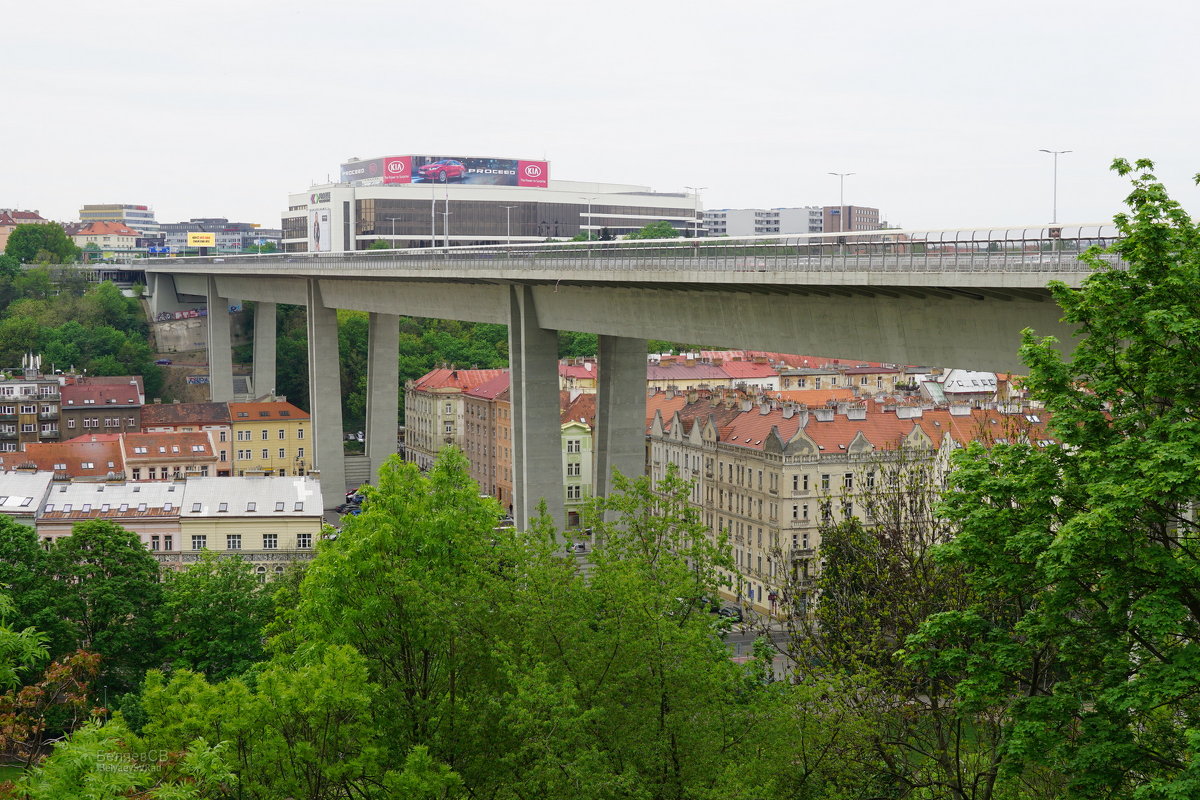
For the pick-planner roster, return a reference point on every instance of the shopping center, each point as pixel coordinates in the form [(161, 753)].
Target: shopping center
[(423, 201)]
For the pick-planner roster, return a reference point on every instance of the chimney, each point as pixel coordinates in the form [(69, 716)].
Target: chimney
[(823, 413), (789, 410), (856, 411)]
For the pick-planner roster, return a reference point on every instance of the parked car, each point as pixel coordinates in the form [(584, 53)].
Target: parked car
[(162, 362), (731, 612), (443, 170), (348, 508), (578, 547)]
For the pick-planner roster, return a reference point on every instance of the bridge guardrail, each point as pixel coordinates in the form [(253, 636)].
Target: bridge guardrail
[(986, 250)]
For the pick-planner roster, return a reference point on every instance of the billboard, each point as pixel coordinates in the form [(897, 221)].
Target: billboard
[(201, 239), (468, 170), (320, 231)]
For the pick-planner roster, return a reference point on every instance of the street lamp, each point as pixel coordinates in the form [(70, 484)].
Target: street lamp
[(393, 221), (589, 217), (508, 222), (1056, 154), (841, 176), (696, 205)]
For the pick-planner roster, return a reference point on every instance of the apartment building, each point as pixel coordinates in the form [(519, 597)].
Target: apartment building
[(267, 521), (768, 475), (91, 405), (577, 428), (270, 438), (10, 218), (481, 442), (434, 414), (212, 418), (763, 221)]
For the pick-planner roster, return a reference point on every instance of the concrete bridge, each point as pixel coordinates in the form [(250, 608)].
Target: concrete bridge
[(944, 298)]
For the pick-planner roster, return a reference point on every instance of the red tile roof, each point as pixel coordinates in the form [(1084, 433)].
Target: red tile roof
[(170, 446), (11, 216), (460, 379), (107, 228), (175, 414), (748, 369), (581, 409), (80, 395), (74, 453), (490, 388)]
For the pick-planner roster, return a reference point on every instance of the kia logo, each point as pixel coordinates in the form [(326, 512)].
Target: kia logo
[(395, 167), (533, 171)]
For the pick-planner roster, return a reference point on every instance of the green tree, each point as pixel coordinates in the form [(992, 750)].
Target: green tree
[(380, 244), (212, 616), (655, 230), (26, 575), (27, 241), (20, 649), (1089, 546), (110, 596)]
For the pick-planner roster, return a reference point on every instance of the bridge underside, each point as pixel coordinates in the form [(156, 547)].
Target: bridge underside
[(973, 327)]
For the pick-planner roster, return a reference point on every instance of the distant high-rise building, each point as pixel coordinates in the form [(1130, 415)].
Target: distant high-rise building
[(140, 218), (762, 221)]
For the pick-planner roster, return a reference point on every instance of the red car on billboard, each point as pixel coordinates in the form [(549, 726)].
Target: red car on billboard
[(442, 171)]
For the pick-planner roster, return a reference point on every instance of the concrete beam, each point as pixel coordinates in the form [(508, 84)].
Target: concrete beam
[(537, 436), (949, 331), (262, 288), (470, 302), (325, 397), (620, 436), (264, 348), (220, 346), (383, 382)]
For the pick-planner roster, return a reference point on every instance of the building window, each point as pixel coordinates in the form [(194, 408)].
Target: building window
[(265, 434), (574, 492), (154, 543), (168, 542), (299, 452), (270, 541), (221, 436), (199, 542), (266, 453), (282, 453), (573, 445), (71, 422), (233, 541), (574, 470), (300, 433), (137, 473), (304, 540), (848, 480), (825, 483), (282, 433)]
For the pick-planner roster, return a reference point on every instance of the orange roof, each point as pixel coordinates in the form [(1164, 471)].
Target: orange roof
[(103, 455), (581, 409), (106, 228), (665, 403), (257, 412), (814, 397)]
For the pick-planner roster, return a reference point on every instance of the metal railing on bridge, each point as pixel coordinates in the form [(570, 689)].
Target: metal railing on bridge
[(1048, 249)]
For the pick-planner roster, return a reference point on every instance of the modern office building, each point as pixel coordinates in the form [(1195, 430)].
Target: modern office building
[(763, 221), (139, 218), (416, 201)]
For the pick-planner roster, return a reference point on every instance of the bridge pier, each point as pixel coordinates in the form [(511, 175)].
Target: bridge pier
[(220, 346), (264, 348), (620, 441), (325, 396), (536, 434), (383, 382)]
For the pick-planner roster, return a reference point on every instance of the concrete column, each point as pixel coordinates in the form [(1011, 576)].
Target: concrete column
[(536, 426), (383, 377), (264, 348), (220, 346), (325, 397), (620, 436)]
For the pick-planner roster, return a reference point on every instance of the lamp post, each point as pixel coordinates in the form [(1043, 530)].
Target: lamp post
[(508, 223), (589, 216), (393, 221), (841, 176), (1056, 154), (696, 207)]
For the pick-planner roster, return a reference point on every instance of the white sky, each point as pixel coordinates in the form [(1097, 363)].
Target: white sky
[(223, 108)]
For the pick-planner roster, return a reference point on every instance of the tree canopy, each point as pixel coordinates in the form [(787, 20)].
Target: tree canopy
[(45, 243), (655, 230)]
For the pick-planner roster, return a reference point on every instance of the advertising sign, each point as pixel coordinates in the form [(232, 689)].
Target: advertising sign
[(320, 231), (201, 239), (469, 170)]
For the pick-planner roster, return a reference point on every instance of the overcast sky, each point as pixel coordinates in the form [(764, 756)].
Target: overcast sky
[(223, 108)]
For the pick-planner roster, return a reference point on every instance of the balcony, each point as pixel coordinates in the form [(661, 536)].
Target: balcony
[(8, 434), (802, 552), (52, 433), (47, 415)]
